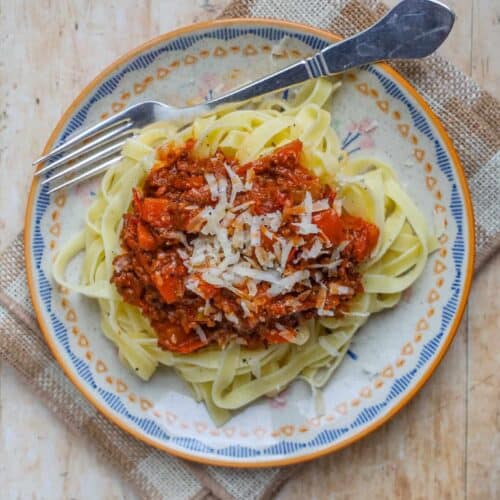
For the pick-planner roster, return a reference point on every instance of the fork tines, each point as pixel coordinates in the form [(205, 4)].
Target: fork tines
[(89, 152)]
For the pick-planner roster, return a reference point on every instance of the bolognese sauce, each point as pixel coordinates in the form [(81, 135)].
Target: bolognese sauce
[(217, 251)]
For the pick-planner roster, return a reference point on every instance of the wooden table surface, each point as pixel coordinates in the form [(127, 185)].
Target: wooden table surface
[(444, 444)]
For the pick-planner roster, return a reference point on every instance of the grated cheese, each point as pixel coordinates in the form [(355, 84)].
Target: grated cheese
[(256, 274), (314, 251), (321, 299), (192, 285), (265, 259), (286, 248), (228, 253), (255, 367), (182, 254), (212, 185), (340, 289), (242, 206), (201, 334), (325, 312), (337, 205), (286, 284), (233, 318), (249, 177), (252, 288), (320, 205), (245, 309), (236, 183), (255, 232), (228, 219)]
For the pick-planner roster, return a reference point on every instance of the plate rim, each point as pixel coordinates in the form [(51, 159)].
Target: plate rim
[(424, 377)]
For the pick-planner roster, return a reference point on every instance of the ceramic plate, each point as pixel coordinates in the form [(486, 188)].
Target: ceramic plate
[(376, 112)]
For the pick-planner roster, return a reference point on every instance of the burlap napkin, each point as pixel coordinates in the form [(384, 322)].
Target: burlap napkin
[(472, 118)]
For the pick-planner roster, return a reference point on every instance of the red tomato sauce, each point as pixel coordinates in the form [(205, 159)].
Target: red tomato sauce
[(164, 219)]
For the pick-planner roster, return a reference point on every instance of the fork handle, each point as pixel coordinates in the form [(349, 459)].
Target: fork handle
[(412, 29)]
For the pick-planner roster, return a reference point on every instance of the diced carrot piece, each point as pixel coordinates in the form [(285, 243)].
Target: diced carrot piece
[(373, 234), (156, 211), (129, 231), (190, 345), (171, 288), (273, 337), (137, 201), (145, 237), (207, 290), (331, 225), (175, 339), (292, 148), (364, 235)]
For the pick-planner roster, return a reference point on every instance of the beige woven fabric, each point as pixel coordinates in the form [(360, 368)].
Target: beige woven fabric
[(472, 118)]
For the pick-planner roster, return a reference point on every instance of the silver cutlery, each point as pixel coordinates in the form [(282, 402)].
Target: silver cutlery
[(411, 30)]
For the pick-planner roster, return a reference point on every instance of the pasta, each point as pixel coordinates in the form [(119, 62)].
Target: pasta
[(228, 379)]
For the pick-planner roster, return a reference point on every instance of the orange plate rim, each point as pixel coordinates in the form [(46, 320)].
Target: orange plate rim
[(263, 462)]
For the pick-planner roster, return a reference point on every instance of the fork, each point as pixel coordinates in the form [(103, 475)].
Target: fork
[(411, 30)]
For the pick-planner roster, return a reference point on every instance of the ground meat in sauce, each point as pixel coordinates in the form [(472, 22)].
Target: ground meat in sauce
[(164, 220)]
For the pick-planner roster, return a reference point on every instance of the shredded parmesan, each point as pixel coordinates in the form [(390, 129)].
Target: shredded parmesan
[(306, 226), (201, 334), (212, 185), (327, 346), (336, 289), (314, 251), (233, 318), (245, 309), (286, 284), (321, 299), (286, 248), (222, 188), (265, 259), (236, 183), (228, 252), (255, 367), (252, 288), (318, 276), (288, 335), (207, 309), (192, 285), (325, 312), (250, 176), (357, 314), (269, 276), (320, 205), (337, 205), (228, 219), (242, 206), (255, 232), (183, 254)]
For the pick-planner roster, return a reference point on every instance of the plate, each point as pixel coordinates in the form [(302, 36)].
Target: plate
[(375, 112)]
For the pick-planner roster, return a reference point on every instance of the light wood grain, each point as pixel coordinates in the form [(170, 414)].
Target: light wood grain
[(485, 58), (483, 391), (444, 444), (483, 316)]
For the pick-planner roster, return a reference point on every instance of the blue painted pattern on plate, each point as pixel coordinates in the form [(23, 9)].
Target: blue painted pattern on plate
[(283, 447)]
